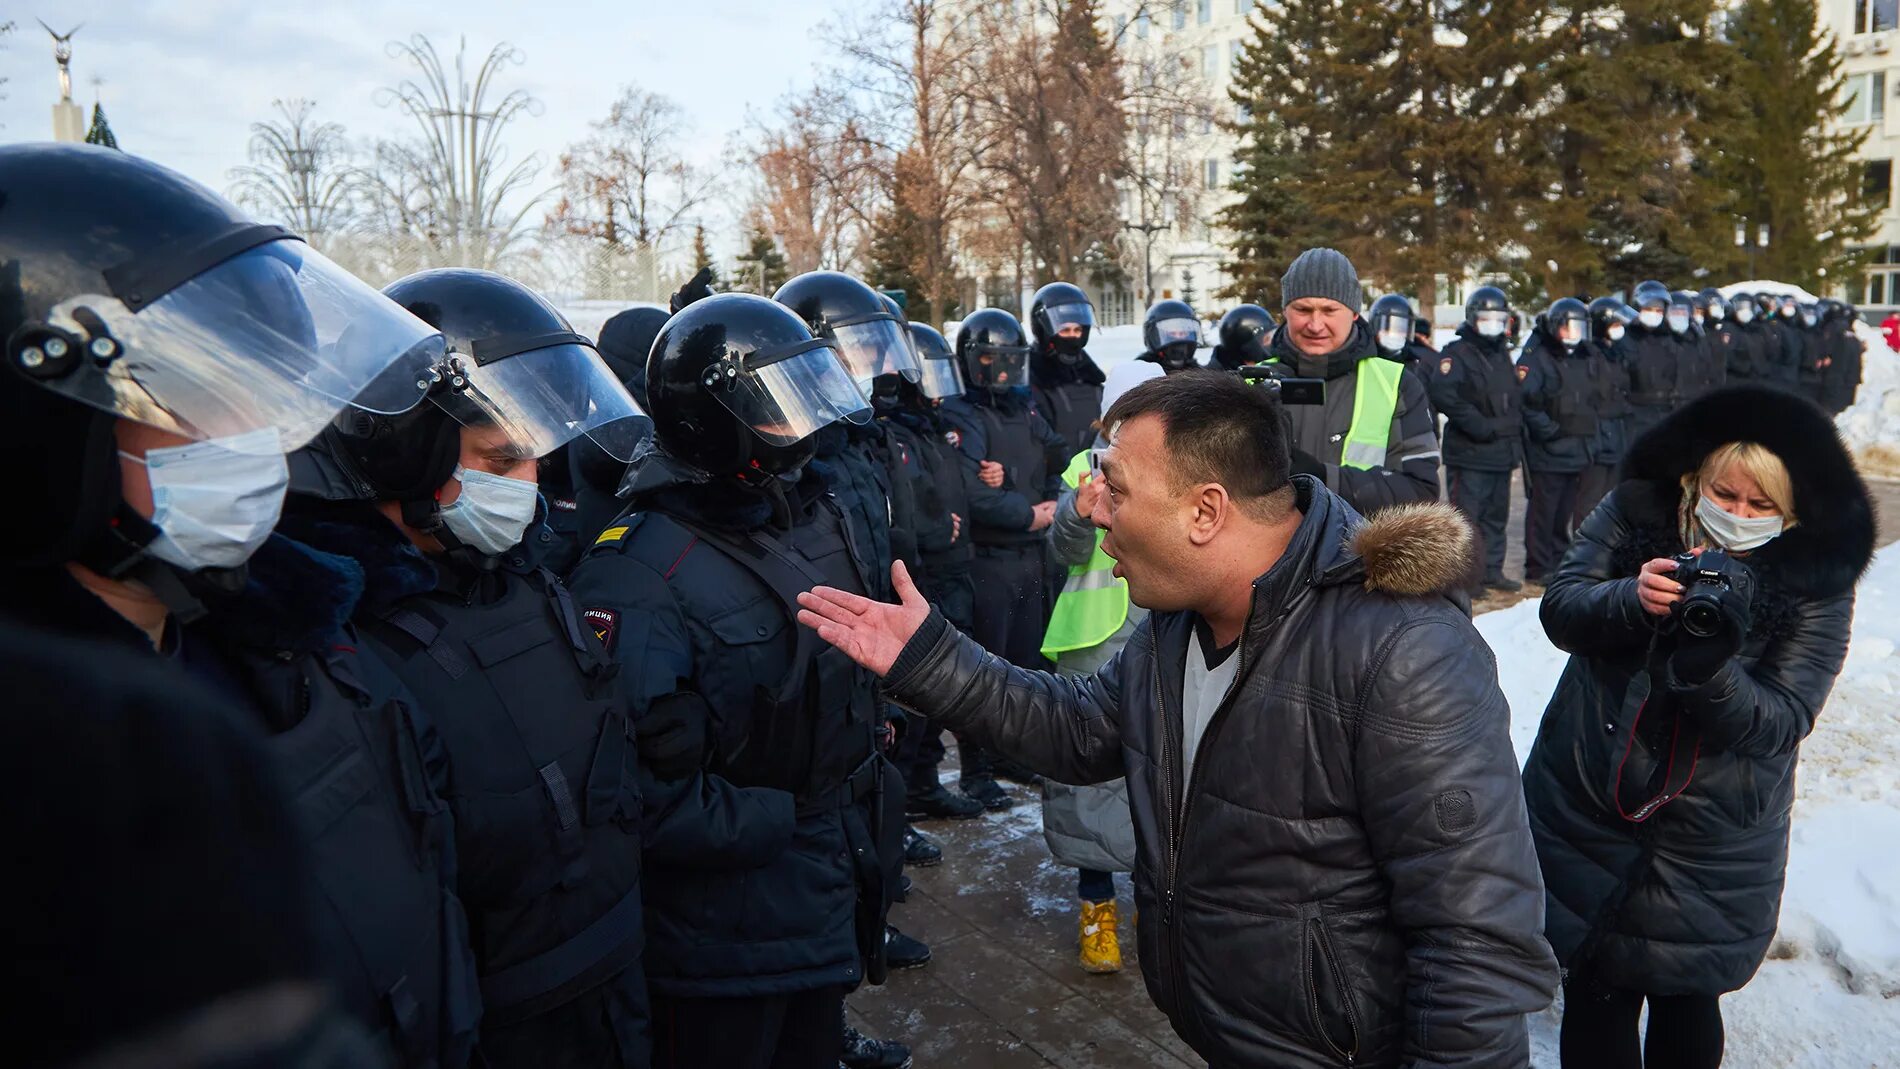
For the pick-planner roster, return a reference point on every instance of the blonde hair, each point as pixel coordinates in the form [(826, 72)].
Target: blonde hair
[(1757, 463)]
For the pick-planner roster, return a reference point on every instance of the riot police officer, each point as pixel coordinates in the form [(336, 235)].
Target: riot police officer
[(1719, 334), (1063, 378), (1692, 359), (995, 423), (1172, 332), (1610, 321), (1562, 424), (1477, 390), (1840, 379), (439, 507), (1749, 342), (769, 871), (1654, 359), (1786, 348), (1244, 334), (164, 352), (1811, 372), (945, 578), (579, 479)]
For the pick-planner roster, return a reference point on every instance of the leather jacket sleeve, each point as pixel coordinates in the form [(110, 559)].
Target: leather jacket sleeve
[(1066, 728), (1071, 537), (1444, 815), (1588, 609), (1768, 708)]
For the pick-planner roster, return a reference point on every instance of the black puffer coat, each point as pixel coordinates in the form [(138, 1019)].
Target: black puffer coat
[(1350, 880), (1686, 901)]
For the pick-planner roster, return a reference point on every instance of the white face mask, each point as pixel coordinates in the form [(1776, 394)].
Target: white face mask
[(1615, 333), (214, 502), (493, 511), (1679, 322), (1735, 533), (1490, 328), (1716, 313), (1744, 313), (1392, 340), (1650, 318)]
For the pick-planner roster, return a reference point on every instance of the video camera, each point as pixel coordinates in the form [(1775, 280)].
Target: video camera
[(1291, 389), (1707, 579)]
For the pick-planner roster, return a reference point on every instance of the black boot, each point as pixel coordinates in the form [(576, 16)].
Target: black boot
[(919, 851), (903, 952), (1500, 582), (988, 792), (940, 803), (1014, 771), (863, 1052)]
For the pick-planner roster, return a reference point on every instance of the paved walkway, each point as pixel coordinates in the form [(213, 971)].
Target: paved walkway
[(1004, 990)]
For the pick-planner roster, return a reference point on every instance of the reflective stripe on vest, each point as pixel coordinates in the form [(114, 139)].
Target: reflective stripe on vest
[(1375, 399), (1094, 602)]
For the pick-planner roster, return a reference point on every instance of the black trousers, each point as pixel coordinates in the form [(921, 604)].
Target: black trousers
[(1593, 485), (1551, 504), (1485, 499), (801, 1030), (1012, 612), (1599, 1030)]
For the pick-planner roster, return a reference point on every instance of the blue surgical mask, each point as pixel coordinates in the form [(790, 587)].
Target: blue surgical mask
[(1734, 533), (214, 502), (493, 511)]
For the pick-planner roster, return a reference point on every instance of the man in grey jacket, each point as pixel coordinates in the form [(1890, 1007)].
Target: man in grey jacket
[(1333, 861)]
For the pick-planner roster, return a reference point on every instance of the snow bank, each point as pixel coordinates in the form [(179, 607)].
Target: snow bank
[(1829, 995), (1872, 426)]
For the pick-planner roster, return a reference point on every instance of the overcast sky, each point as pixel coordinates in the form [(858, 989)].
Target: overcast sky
[(184, 79)]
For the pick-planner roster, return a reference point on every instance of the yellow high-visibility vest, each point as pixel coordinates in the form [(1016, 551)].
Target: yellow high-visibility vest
[(1094, 602)]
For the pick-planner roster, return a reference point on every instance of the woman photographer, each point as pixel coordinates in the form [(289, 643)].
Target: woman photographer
[(1706, 605)]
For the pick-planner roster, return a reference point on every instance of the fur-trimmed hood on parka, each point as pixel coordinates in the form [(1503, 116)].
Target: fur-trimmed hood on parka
[(1834, 539), (1418, 550)]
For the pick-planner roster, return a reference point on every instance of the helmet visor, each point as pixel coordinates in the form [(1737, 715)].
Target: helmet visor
[(1003, 368), (788, 393), (1393, 330), (544, 398), (1572, 330), (276, 336), (876, 346), (1175, 331), (941, 378), (1492, 324), (1064, 316)]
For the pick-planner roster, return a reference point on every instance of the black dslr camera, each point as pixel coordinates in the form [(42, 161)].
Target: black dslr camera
[(1707, 580), (1291, 390)]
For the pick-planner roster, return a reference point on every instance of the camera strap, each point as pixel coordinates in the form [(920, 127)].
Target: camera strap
[(1685, 750)]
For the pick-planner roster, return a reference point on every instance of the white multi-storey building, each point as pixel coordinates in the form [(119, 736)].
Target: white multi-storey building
[(1869, 35)]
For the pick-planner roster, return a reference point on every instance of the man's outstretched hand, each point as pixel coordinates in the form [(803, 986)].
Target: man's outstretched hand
[(871, 633)]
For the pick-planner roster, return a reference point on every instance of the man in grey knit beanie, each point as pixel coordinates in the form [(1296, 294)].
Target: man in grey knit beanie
[(1322, 273)]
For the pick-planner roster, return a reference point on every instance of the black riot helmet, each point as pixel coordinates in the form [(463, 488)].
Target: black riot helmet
[(1059, 307), (1488, 311), (1567, 322), (1743, 309), (1768, 303), (871, 337), (1714, 304), (993, 351), (1680, 312), (513, 364), (943, 373), (738, 385), (1810, 314), (1244, 333), (128, 291), (1789, 304), (1832, 310), (1609, 318), (1650, 295), (1392, 324), (1172, 332)]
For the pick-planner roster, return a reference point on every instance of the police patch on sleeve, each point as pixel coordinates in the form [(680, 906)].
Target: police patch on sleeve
[(955, 439), (605, 624), (1522, 370), (1444, 366)]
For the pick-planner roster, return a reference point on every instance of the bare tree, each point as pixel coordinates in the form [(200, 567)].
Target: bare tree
[(629, 183), (300, 171), (1161, 186), (6, 28), (820, 181), (451, 187)]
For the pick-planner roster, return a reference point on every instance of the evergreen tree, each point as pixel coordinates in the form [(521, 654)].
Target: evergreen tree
[(1783, 160), (766, 270), (702, 255), (101, 132), (896, 249), (1270, 223)]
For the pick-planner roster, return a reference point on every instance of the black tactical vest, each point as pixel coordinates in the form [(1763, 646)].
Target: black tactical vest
[(544, 792), (1014, 445), (1072, 409), (381, 843)]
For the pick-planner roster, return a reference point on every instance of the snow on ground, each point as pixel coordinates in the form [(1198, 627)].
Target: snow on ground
[(1872, 426), (1829, 995)]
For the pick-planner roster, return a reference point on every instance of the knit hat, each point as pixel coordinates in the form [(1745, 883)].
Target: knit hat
[(1322, 273)]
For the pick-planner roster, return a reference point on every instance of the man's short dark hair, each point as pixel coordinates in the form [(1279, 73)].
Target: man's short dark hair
[(1220, 429)]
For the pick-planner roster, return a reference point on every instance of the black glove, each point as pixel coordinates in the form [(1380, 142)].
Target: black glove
[(696, 288), (672, 735), (1698, 658), (1305, 463)]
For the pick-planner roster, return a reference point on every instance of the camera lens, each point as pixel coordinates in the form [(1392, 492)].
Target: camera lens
[(1701, 617)]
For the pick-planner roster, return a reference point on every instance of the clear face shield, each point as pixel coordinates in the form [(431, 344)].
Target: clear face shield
[(1744, 312), (1069, 327), (1003, 367), (271, 336), (1678, 318), (1392, 331), (1492, 324), (942, 378), (541, 392), (787, 393), (1572, 330), (873, 345)]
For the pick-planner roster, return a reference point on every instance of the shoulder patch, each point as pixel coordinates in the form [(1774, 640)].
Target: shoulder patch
[(564, 504), (1522, 370), (604, 623), (955, 438), (611, 534), (1444, 366)]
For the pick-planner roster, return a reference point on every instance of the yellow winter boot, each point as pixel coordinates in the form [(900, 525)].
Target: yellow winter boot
[(1101, 949)]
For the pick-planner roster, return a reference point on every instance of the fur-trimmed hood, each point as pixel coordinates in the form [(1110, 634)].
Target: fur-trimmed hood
[(1830, 547), (1415, 550)]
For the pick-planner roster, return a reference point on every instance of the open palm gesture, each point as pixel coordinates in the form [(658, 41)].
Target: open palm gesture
[(871, 633)]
